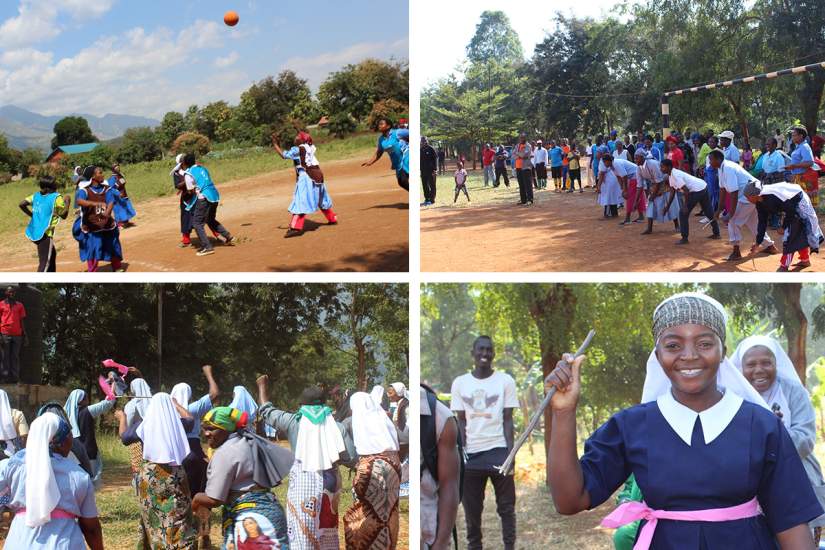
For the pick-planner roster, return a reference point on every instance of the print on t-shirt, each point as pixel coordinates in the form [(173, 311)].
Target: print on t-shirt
[(480, 404)]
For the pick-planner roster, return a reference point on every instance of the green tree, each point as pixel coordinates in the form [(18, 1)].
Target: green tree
[(495, 39), (72, 130), (356, 88), (172, 125), (447, 332), (211, 117), (139, 145), (29, 161)]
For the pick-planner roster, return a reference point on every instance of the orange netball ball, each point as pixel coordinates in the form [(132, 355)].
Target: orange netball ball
[(231, 18)]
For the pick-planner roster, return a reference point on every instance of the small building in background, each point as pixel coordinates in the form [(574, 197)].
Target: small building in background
[(64, 150)]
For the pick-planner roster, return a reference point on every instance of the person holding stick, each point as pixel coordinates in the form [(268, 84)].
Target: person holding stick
[(483, 401), (715, 465)]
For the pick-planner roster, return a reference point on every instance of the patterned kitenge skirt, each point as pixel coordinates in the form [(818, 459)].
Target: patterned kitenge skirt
[(371, 523), (166, 520)]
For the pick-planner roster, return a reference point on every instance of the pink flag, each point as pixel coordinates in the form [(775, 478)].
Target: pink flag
[(109, 364), (107, 389)]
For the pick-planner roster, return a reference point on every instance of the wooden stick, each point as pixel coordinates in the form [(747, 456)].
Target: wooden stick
[(504, 469)]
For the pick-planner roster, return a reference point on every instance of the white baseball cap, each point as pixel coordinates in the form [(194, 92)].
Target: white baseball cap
[(727, 134)]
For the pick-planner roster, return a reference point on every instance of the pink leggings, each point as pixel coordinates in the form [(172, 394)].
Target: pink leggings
[(297, 221), (804, 256), (92, 265)]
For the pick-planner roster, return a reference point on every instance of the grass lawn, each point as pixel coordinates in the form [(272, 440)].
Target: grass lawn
[(119, 512), (148, 180)]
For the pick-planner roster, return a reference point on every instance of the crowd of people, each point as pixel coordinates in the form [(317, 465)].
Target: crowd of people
[(719, 451), (660, 181), (51, 470)]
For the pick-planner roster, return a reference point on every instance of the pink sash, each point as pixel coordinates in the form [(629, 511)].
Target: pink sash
[(57, 513), (633, 511)]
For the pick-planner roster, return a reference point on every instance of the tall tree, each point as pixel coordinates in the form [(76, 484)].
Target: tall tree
[(72, 130), (495, 40)]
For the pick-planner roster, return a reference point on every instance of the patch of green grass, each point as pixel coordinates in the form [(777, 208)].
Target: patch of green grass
[(149, 180)]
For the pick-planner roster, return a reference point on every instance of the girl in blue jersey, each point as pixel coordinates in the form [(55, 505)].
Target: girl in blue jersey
[(95, 228), (394, 142), (45, 209)]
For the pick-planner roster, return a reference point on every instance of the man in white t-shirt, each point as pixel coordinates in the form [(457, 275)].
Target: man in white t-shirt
[(695, 192), (484, 400), (732, 181)]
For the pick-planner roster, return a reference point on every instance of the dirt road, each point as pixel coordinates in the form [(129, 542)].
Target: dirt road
[(372, 234), (566, 233)]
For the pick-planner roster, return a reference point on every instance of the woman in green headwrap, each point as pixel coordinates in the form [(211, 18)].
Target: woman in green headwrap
[(243, 470)]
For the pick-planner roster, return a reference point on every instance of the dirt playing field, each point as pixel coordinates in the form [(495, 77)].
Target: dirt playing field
[(372, 233), (565, 232)]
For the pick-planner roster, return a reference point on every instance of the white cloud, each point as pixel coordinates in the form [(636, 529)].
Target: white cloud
[(41, 20), (127, 74), (223, 62), (316, 68)]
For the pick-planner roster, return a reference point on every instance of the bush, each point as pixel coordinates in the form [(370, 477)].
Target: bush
[(387, 108), (191, 142), (102, 155), (62, 172), (139, 145), (342, 124)]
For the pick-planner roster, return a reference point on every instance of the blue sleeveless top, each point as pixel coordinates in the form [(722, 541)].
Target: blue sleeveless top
[(42, 212), (204, 182)]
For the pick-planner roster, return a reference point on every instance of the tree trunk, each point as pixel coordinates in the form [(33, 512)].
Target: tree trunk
[(552, 310), (810, 98), (360, 348), (473, 151), (795, 323)]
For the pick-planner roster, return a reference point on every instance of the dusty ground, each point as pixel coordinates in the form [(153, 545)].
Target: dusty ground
[(564, 233), (372, 234)]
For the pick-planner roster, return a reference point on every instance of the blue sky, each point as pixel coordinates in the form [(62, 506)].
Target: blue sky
[(147, 57)]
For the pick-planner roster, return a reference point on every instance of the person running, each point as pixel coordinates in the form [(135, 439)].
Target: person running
[(394, 142), (502, 157), (608, 186), (205, 208), (163, 491), (52, 498), (660, 204), (310, 191), (82, 419), (242, 473), (694, 192), (373, 519), (187, 202), (95, 228), (320, 446), (45, 209), (123, 211), (742, 213), (802, 231), (483, 401), (460, 177), (706, 450)]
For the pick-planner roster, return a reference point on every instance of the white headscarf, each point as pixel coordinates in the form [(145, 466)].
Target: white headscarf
[(139, 388), (784, 370), (400, 389), (71, 408), (42, 493), (178, 160), (243, 401), (318, 446), (163, 436), (182, 393), (377, 394), (728, 377), (372, 429), (7, 429)]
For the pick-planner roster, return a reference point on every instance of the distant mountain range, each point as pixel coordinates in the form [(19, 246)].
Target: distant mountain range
[(27, 129)]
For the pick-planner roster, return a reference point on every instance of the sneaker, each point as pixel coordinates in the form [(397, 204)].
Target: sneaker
[(704, 220), (205, 252), (184, 245), (803, 264), (771, 250), (782, 269), (291, 232), (735, 256), (335, 221), (683, 241), (714, 237), (231, 241)]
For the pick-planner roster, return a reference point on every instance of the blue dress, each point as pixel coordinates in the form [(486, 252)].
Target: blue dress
[(77, 497), (309, 196), (102, 245), (753, 457), (123, 210)]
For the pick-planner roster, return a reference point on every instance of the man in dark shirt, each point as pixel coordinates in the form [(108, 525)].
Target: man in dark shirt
[(429, 169), (442, 160), (501, 166)]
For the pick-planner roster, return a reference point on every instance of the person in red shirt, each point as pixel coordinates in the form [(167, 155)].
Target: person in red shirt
[(12, 336), (488, 155)]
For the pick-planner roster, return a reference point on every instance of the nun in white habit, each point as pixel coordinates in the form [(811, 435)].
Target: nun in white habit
[(770, 371), (716, 468)]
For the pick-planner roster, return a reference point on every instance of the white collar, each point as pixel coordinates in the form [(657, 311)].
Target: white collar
[(714, 420)]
